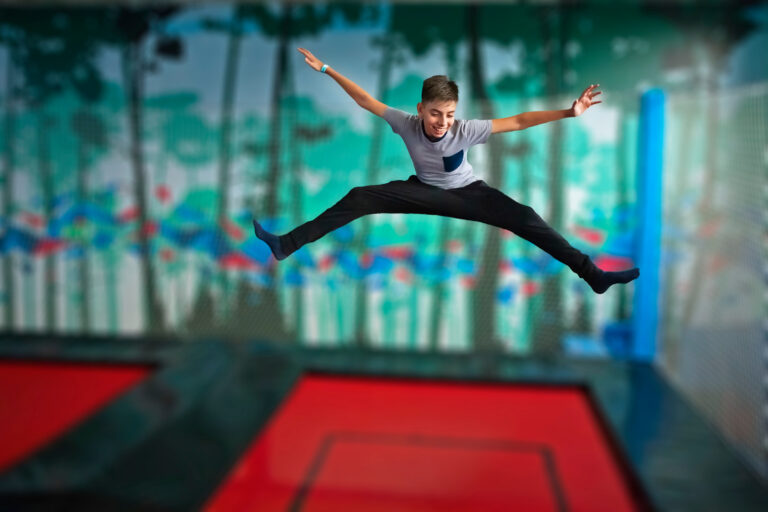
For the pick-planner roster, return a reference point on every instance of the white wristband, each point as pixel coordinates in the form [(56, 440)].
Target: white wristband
[(322, 69)]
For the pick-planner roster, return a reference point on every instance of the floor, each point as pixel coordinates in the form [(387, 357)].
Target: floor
[(164, 426)]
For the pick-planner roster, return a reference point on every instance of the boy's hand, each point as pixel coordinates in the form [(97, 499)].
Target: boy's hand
[(585, 100), (310, 59)]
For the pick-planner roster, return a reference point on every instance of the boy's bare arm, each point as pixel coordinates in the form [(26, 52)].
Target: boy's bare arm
[(528, 119), (357, 93)]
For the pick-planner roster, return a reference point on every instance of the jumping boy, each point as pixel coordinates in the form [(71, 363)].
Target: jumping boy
[(444, 183)]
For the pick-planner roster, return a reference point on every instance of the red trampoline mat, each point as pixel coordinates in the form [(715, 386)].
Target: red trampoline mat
[(377, 444), (39, 401)]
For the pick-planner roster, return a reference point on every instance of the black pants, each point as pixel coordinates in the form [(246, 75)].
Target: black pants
[(476, 201)]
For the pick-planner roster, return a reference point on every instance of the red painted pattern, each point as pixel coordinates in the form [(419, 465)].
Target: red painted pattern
[(39, 401), (373, 444)]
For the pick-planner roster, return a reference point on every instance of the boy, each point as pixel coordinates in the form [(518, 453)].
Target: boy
[(444, 183)]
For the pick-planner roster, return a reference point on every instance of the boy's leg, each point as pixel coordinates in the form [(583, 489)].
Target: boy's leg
[(476, 201), (497, 209), (399, 196)]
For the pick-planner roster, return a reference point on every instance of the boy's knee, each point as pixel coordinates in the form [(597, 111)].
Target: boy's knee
[(518, 210), (521, 216), (356, 197), (529, 212)]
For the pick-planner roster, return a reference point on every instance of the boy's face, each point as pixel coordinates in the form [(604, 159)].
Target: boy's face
[(437, 116)]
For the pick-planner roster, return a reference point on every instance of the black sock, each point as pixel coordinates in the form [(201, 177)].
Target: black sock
[(272, 241), (604, 280)]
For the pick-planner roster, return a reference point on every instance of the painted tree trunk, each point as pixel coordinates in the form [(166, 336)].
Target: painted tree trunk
[(8, 169), (225, 141), (438, 292), (133, 75), (484, 293), (549, 323), (266, 317), (50, 285), (362, 311), (532, 302), (82, 262)]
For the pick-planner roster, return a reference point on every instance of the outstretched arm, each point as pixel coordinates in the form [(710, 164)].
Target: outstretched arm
[(528, 119), (357, 93)]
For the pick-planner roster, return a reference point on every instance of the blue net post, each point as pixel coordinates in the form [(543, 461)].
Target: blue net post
[(648, 240)]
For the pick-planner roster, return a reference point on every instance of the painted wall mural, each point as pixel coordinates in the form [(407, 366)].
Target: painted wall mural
[(138, 144)]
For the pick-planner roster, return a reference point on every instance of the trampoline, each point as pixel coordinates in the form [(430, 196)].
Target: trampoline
[(45, 399), (214, 426), (356, 443)]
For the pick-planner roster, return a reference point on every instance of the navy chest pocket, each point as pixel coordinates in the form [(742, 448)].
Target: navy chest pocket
[(451, 163)]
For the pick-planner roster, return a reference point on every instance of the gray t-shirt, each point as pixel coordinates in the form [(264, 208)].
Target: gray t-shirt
[(442, 163)]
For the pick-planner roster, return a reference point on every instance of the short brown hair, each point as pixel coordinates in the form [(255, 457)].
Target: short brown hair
[(439, 88)]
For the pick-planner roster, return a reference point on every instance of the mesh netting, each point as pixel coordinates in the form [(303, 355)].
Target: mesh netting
[(713, 288)]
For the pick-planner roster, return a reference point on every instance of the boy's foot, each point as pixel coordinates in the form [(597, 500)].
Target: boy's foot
[(272, 241), (604, 280)]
